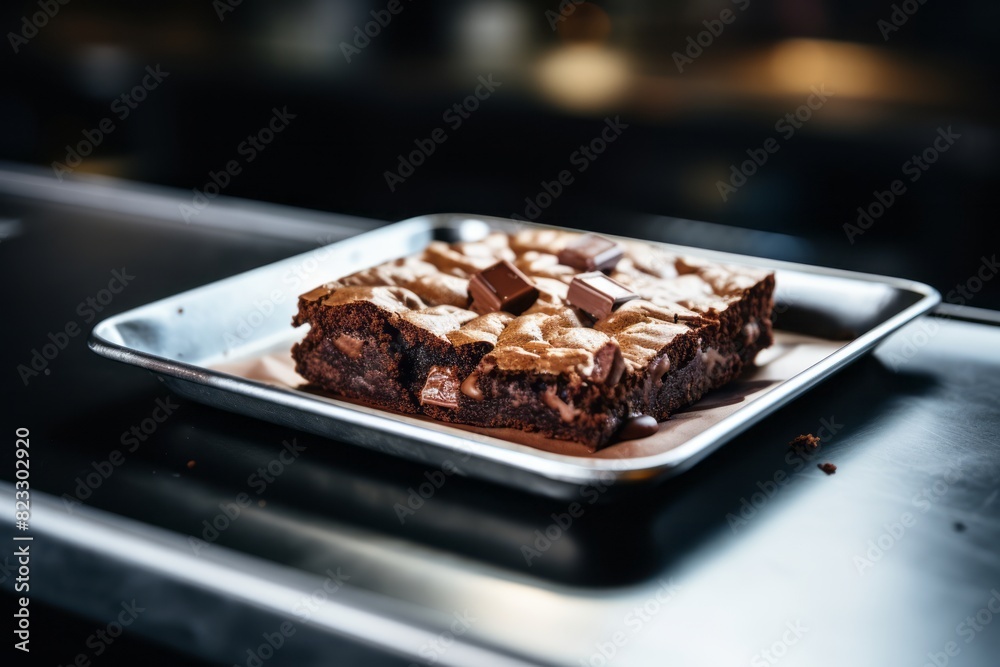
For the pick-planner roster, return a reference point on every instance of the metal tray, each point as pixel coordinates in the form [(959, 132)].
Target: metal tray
[(226, 344)]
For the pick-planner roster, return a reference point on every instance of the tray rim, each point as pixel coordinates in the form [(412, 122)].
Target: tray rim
[(557, 467)]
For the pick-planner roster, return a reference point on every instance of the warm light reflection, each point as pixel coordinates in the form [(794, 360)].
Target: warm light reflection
[(849, 69), (583, 76)]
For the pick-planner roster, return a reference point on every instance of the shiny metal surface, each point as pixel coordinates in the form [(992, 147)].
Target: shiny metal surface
[(182, 337), (726, 565), (914, 429)]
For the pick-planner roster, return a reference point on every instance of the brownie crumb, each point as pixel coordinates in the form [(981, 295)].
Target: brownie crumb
[(959, 527), (804, 444), (180, 311), (191, 464), (828, 468)]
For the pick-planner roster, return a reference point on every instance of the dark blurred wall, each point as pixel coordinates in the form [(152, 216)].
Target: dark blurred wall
[(782, 117)]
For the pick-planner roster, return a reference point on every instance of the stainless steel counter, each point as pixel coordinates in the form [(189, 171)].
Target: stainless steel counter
[(754, 557)]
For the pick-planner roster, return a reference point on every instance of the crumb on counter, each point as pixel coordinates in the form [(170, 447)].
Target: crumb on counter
[(804, 444), (828, 468), (191, 464)]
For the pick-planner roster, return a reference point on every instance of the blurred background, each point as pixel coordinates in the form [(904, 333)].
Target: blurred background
[(771, 122), (862, 135)]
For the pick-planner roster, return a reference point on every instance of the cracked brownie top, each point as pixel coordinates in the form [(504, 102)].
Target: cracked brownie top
[(674, 295)]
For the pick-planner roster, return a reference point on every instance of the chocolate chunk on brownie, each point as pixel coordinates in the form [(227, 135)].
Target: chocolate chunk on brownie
[(501, 287), (590, 252), (597, 295), (522, 331)]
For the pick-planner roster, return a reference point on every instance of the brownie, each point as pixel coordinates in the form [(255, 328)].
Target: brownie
[(603, 333)]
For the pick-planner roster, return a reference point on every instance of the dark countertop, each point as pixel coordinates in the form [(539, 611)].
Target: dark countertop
[(884, 562)]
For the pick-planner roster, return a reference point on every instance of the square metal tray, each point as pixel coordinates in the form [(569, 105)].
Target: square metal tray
[(227, 344)]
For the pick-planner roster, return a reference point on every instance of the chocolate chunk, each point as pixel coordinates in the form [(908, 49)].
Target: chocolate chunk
[(441, 388), (659, 368), (592, 253), (349, 345), (640, 426), (609, 365), (470, 387), (501, 287), (828, 468), (597, 295)]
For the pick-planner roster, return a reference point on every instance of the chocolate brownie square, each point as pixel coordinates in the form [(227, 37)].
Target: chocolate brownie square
[(569, 335)]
